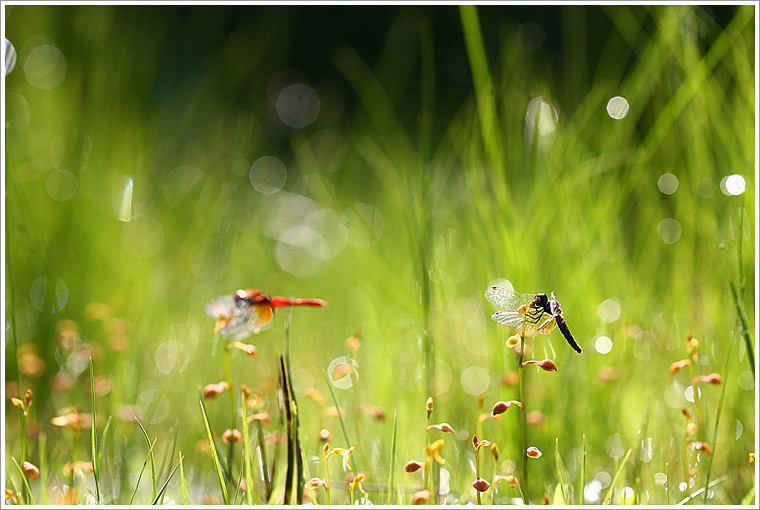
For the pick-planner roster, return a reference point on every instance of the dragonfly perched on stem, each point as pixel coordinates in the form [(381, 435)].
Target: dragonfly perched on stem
[(248, 311), (541, 314)]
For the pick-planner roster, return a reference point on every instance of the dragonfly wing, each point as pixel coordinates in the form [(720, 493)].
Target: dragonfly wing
[(547, 326), (505, 299), (511, 319), (225, 306), (256, 318)]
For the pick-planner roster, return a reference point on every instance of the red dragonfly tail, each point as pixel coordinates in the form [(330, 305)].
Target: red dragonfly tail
[(278, 302)]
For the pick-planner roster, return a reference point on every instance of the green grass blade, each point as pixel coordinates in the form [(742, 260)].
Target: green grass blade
[(583, 472), (717, 420), (247, 459), (150, 454), (169, 453), (163, 487), (24, 480), (145, 463), (102, 447), (749, 499), (391, 492), (214, 456), (264, 463), (43, 467), (94, 437), (558, 462), (617, 475), (182, 479), (337, 408)]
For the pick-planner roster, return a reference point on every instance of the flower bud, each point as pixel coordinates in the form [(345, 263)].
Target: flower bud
[(443, 427), (533, 452), (421, 497), (495, 451), (704, 447), (481, 485), (232, 436), (691, 428), (429, 409), (316, 482), (211, 391), (711, 379), (30, 470), (500, 407), (413, 466), (678, 365)]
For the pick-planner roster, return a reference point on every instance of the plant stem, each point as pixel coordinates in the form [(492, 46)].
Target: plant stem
[(231, 456), (524, 408), (477, 472)]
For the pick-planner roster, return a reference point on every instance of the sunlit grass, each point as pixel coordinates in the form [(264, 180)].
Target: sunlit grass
[(403, 221)]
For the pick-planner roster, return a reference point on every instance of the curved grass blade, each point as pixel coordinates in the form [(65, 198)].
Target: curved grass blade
[(717, 420), (139, 477), (247, 460), (583, 472), (182, 479), (391, 493), (166, 483), (169, 454), (337, 408), (150, 455), (558, 462), (215, 456), (94, 438), (700, 491), (23, 479), (617, 475)]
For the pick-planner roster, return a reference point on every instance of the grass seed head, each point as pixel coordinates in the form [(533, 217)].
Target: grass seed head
[(501, 406), (421, 497), (495, 451), (533, 452), (686, 413), (413, 465), (510, 479), (433, 451), (30, 470), (513, 341), (481, 485)]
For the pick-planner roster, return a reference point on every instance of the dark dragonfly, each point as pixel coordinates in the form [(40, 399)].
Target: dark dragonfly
[(540, 313)]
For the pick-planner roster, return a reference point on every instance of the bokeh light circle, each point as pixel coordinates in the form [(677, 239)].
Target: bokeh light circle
[(617, 107), (9, 56), (142, 236), (61, 185), (733, 185), (45, 67), (475, 380), (343, 372), (669, 230), (542, 114), (298, 105), (609, 310), (603, 344), (668, 183), (268, 175)]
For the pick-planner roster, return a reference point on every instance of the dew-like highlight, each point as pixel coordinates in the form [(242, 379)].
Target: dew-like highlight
[(609, 310), (475, 380), (540, 115), (617, 107), (298, 105), (268, 175), (45, 67), (669, 230), (603, 344), (668, 183), (9, 56), (61, 185), (733, 185)]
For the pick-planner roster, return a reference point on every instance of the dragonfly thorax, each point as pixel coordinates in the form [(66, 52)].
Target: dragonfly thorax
[(247, 297), (541, 302)]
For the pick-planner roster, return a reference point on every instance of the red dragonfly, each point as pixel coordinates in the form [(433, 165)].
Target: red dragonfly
[(248, 311)]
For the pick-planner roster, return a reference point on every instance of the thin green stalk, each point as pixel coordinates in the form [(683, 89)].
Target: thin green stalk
[(215, 456), (524, 414), (231, 448), (94, 437), (393, 459), (428, 459), (583, 473), (152, 459), (264, 463), (477, 472), (163, 487), (24, 424), (289, 432), (43, 467), (667, 485), (745, 327), (145, 463), (558, 462), (717, 421), (617, 475), (247, 462), (25, 481), (327, 479), (182, 479)]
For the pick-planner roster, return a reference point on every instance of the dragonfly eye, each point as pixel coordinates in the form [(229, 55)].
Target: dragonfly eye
[(541, 300), (241, 299)]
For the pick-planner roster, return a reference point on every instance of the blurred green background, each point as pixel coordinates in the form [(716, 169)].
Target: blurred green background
[(375, 157)]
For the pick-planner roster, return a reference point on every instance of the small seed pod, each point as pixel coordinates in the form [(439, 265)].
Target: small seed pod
[(232, 436), (481, 485), (533, 452), (413, 466), (30, 470)]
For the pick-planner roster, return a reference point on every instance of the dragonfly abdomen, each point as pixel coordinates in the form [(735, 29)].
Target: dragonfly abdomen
[(562, 325)]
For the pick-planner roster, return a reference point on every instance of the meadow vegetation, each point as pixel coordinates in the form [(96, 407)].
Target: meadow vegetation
[(165, 171)]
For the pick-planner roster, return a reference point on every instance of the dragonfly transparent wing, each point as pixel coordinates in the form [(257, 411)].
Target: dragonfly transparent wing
[(237, 322), (515, 320), (505, 299)]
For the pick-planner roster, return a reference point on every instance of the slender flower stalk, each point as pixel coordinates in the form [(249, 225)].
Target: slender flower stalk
[(524, 413), (428, 460)]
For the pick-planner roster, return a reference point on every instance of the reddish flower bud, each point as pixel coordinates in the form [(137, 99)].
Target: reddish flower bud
[(30, 470), (704, 447), (232, 436), (481, 485), (711, 379), (421, 498), (678, 365), (413, 466), (533, 452), (500, 407)]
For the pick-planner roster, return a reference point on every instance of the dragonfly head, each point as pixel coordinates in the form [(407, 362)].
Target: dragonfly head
[(248, 297), (541, 301)]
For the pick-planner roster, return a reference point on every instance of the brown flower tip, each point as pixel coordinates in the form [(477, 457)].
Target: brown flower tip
[(355, 341), (678, 365), (510, 479), (232, 436), (474, 441), (481, 485), (30, 470), (421, 497), (692, 344), (546, 499), (249, 349), (513, 341), (686, 413), (28, 397), (533, 452), (262, 417), (413, 465), (522, 310), (213, 390), (481, 444), (691, 428), (751, 457), (703, 447), (443, 427), (429, 405), (316, 482), (547, 364), (501, 407), (376, 412), (711, 379), (324, 435), (495, 451)]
